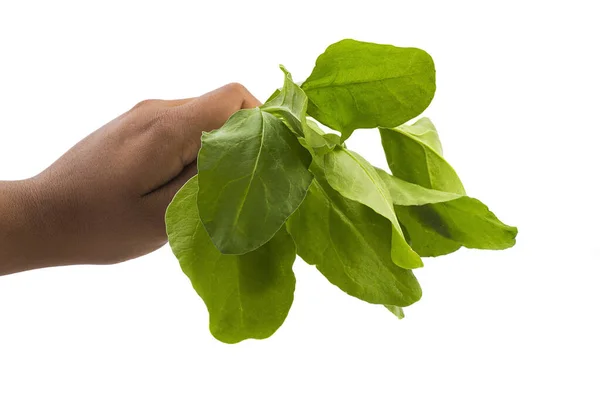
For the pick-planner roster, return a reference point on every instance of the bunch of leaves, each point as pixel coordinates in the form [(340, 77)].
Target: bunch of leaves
[(272, 184)]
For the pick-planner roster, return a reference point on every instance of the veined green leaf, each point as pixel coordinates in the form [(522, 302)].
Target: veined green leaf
[(289, 104), (466, 221), (425, 132), (247, 296), (414, 155), (405, 193), (424, 240), (319, 140), (350, 245), (363, 85), (354, 178), (272, 96), (254, 175), (440, 222)]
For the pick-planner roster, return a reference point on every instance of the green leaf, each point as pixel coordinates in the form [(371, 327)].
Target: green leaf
[(350, 245), (289, 104), (320, 141), (431, 202), (247, 296), (405, 193), (440, 222), (426, 241), (414, 155), (363, 85), (254, 175), (425, 132), (466, 221), (423, 240), (275, 94), (354, 178)]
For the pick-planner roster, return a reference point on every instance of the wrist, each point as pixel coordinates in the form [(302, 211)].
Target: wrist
[(15, 209), (26, 239)]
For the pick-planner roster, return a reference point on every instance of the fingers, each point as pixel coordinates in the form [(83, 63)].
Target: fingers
[(209, 112), (178, 130), (191, 117)]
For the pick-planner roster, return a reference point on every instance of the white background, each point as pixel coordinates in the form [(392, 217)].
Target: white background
[(516, 108)]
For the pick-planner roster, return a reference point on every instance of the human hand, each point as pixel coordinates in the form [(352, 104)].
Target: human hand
[(104, 200)]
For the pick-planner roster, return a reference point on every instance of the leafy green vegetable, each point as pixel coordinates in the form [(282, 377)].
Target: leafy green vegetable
[(353, 177), (276, 92), (247, 296), (254, 174), (350, 244), (290, 104), (440, 222), (466, 221), (405, 193), (427, 242), (272, 183), (414, 154), (319, 141), (363, 85)]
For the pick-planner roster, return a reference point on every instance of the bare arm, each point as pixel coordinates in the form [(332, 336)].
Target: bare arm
[(104, 200)]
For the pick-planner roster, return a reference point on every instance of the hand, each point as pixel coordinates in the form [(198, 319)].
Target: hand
[(104, 200)]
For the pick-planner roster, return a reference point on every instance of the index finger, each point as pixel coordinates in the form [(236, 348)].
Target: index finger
[(206, 113), (211, 110)]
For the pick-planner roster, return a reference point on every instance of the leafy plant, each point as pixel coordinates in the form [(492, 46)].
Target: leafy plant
[(272, 183)]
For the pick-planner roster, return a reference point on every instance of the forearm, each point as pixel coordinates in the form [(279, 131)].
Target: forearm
[(24, 242)]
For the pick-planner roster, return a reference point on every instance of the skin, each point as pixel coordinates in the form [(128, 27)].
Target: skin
[(104, 200)]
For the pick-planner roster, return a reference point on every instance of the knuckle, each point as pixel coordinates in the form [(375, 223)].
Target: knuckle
[(237, 88), (150, 116), (147, 104), (144, 104)]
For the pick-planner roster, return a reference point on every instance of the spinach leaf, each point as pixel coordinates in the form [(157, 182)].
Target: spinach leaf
[(423, 240), (425, 132), (363, 85), (350, 245), (440, 222), (247, 296), (275, 93), (426, 241), (289, 104), (466, 221), (319, 141), (353, 177), (254, 174), (405, 193), (414, 155)]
